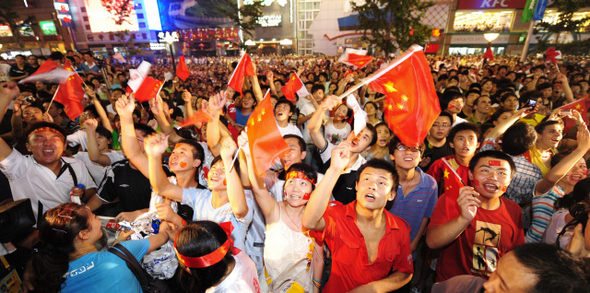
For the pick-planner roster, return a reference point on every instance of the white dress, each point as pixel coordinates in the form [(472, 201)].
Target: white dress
[(287, 258)]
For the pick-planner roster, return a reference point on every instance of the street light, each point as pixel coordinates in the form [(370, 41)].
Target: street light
[(490, 37), (170, 39)]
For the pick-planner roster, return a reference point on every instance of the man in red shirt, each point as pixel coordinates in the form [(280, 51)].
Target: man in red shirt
[(483, 226), (370, 246)]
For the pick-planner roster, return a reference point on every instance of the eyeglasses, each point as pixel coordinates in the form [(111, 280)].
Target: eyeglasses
[(403, 148), (444, 125)]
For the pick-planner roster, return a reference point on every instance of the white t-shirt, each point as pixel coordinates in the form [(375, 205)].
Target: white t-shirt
[(97, 171), (458, 120), (335, 135), (290, 129), (80, 138), (200, 201), (255, 235), (29, 179), (306, 109), (242, 279), (110, 109)]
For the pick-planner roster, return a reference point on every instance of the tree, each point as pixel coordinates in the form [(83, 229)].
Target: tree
[(565, 21), (393, 25)]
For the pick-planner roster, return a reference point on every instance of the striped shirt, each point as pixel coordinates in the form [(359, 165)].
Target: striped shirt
[(543, 209), (418, 204)]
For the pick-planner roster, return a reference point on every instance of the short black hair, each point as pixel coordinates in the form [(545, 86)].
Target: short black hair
[(285, 101), (529, 95), (492, 154), (36, 104), (373, 131), (518, 139), (464, 126), (300, 141), (448, 96), (497, 114), (544, 86), (118, 90), (395, 141), (541, 126), (383, 165), (308, 170), (556, 270), (507, 95), (199, 153), (104, 132), (448, 115), (317, 87), (144, 128), (92, 110)]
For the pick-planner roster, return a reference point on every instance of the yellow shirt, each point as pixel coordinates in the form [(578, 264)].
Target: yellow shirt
[(536, 120), (536, 158)]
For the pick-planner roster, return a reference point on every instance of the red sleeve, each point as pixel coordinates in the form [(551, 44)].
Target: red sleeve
[(515, 213), (330, 229), (404, 262), (439, 214), (436, 171)]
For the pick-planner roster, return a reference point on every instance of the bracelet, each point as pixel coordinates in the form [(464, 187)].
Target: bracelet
[(316, 281)]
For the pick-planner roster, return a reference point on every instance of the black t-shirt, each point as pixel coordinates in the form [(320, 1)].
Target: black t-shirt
[(435, 153), (344, 191), (17, 72), (129, 185)]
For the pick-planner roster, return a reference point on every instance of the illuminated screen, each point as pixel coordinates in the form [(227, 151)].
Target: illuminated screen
[(5, 31), (175, 14), (153, 14), (483, 21), (48, 27), (104, 15)]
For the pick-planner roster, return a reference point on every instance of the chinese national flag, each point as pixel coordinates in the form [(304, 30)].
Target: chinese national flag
[(148, 89), (580, 106), (71, 93), (552, 55), (431, 48), (244, 68), (199, 117), (294, 85), (265, 140), (411, 103), (355, 58), (49, 72), (452, 185), (488, 54), (182, 70)]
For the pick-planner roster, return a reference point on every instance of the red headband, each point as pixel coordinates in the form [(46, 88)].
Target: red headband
[(48, 129), (209, 259), (299, 175)]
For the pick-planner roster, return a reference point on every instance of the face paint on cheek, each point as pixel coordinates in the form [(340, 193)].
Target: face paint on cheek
[(494, 163), (585, 172), (475, 182), (182, 164), (504, 188), (224, 182), (452, 106)]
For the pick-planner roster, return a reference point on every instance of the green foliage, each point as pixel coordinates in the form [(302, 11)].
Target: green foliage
[(565, 21), (393, 24), (11, 17)]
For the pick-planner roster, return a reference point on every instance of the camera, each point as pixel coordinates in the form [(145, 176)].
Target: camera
[(28, 99), (531, 103)]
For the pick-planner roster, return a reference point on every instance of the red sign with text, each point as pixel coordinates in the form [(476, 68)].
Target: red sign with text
[(490, 4)]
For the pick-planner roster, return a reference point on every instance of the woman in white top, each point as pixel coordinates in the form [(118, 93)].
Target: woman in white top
[(209, 262), (292, 257), (337, 128)]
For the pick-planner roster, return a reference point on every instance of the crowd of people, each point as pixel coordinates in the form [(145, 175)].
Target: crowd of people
[(345, 210)]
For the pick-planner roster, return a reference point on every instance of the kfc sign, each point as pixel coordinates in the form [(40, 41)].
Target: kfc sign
[(491, 4)]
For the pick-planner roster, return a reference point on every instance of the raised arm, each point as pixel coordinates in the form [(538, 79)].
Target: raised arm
[(156, 105), (214, 135), (270, 79), (8, 91), (93, 151), (235, 191), (155, 145), (188, 105), (320, 197), (504, 125), (104, 118), (560, 170), (315, 123), (16, 120), (265, 200), (567, 90), (125, 106), (442, 235)]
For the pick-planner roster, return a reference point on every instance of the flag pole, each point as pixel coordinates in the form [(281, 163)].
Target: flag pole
[(380, 72), (525, 49), (234, 159), (53, 98)]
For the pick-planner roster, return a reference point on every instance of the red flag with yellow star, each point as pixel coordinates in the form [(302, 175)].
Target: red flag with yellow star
[(71, 93), (580, 106), (244, 68), (411, 103), (355, 58), (294, 86), (199, 117), (182, 70), (265, 140), (148, 89), (452, 184)]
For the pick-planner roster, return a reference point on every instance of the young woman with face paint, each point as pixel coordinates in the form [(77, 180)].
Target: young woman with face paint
[(566, 171), (292, 256), (337, 128)]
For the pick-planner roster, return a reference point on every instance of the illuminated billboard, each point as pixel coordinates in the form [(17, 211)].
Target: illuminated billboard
[(5, 31), (111, 16), (187, 14), (48, 27), (63, 12)]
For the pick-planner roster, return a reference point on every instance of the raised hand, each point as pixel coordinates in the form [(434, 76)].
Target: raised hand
[(468, 203), (91, 124), (341, 156), (47, 117), (156, 106), (186, 96), (165, 211), (228, 149), (330, 102), (243, 143), (125, 105), (9, 90), (156, 144), (216, 103)]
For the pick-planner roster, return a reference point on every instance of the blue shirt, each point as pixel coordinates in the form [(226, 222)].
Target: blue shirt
[(241, 119), (418, 204), (105, 272)]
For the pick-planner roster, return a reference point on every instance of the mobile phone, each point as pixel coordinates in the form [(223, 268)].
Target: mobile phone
[(531, 103), (566, 112)]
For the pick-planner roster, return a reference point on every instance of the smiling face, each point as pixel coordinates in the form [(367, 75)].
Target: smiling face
[(551, 135), (341, 112), (46, 146), (484, 105), (248, 101), (487, 86), (182, 158), (103, 142), (510, 104), (374, 188), (491, 177), (455, 106), (32, 115), (295, 154), (440, 128), (216, 177), (370, 109), (465, 143), (576, 173), (295, 191)]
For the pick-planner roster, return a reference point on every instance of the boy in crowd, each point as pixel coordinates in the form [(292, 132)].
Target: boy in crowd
[(470, 98), (483, 227), (549, 134), (283, 111), (370, 247), (464, 139), (481, 110), (436, 144), (452, 101)]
